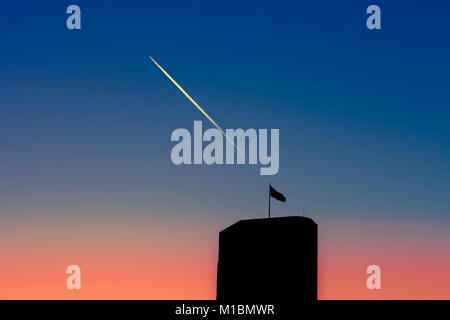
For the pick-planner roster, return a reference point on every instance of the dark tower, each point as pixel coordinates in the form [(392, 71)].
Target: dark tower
[(268, 260)]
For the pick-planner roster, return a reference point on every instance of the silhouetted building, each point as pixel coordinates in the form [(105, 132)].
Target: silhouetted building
[(271, 260)]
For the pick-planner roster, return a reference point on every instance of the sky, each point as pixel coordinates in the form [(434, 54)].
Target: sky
[(86, 176)]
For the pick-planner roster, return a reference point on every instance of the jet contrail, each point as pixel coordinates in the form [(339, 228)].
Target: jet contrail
[(196, 104)]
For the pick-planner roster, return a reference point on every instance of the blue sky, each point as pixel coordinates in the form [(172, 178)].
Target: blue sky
[(86, 118)]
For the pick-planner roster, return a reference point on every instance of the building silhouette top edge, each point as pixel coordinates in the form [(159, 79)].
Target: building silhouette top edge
[(251, 223)]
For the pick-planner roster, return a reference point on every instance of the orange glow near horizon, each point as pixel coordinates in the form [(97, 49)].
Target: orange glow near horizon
[(160, 258)]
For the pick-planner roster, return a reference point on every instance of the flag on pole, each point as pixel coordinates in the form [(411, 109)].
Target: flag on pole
[(275, 194)]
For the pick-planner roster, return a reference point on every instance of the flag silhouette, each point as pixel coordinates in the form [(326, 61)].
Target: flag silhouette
[(275, 194)]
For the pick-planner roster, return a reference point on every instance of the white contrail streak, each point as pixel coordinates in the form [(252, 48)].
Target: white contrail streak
[(196, 104)]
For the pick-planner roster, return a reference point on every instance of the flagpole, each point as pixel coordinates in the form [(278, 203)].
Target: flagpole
[(269, 200)]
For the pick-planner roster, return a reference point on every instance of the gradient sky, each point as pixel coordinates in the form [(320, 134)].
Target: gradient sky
[(85, 123)]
